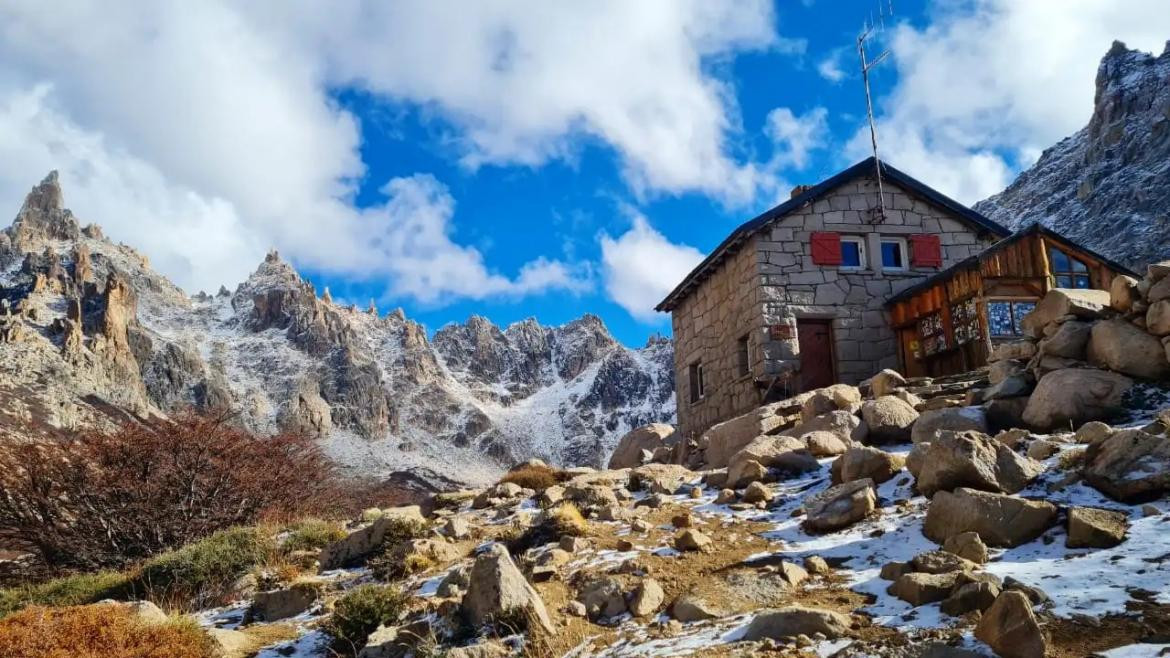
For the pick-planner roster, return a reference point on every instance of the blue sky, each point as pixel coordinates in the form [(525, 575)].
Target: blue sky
[(516, 159)]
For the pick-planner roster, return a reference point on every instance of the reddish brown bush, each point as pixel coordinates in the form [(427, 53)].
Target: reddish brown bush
[(98, 631), (104, 499), (534, 476)]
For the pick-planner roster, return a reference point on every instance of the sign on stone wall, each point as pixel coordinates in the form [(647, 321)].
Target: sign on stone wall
[(781, 331)]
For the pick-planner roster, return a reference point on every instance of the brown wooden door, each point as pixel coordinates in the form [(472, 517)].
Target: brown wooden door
[(816, 354)]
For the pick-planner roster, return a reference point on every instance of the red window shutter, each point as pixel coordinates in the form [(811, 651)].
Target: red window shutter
[(826, 248), (925, 251)]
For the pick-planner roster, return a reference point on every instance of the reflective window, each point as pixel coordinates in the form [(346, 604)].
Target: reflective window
[(1067, 271), (852, 252), (1003, 317), (893, 254)]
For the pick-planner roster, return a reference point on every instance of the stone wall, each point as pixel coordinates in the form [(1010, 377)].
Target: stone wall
[(772, 282)]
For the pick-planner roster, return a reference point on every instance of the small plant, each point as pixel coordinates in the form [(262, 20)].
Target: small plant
[(66, 591), (360, 612), (98, 631), (399, 562), (400, 528), (311, 534), (534, 476), (202, 574), (556, 522)]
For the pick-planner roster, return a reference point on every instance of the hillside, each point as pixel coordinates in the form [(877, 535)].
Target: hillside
[(90, 334)]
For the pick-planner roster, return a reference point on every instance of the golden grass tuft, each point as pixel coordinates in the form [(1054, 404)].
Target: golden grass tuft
[(566, 519), (534, 476), (98, 631)]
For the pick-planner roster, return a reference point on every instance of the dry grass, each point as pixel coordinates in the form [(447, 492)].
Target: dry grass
[(98, 631), (535, 476), (78, 589), (554, 523)]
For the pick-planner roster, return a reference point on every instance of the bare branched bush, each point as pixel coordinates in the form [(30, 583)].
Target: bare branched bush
[(108, 499)]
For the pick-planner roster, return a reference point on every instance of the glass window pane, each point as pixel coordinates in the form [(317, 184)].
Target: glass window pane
[(1019, 310), (1082, 281), (1078, 266), (1064, 281), (999, 318), (850, 254), (1058, 260), (891, 254)]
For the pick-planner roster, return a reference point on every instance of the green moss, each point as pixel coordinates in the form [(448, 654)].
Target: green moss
[(360, 612), (69, 590)]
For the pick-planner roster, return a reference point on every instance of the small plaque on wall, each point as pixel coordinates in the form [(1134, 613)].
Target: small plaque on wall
[(780, 331)]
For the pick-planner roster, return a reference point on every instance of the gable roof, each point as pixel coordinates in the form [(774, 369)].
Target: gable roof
[(973, 261), (864, 168)]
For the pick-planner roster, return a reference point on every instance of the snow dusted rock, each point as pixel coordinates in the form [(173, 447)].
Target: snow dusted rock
[(840, 506), (886, 382), (1075, 396), (781, 452), (1095, 528), (660, 478), (284, 603), (862, 462), (1010, 627), (889, 419), (496, 588), (1130, 465), (789, 622), (974, 460), (1119, 346), (628, 453), (843, 424), (956, 419), (918, 588), (968, 546), (998, 519)]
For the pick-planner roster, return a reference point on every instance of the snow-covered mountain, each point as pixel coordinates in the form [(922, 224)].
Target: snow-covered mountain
[(1108, 185), (90, 333)]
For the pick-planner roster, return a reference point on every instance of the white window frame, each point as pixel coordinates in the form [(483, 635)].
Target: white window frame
[(697, 384), (860, 242), (901, 242)]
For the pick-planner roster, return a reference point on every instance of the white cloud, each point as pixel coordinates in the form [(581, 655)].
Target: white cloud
[(830, 67), (205, 132), (986, 85), (795, 136), (641, 266)]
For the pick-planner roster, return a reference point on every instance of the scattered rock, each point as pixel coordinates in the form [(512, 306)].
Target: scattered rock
[(1075, 396), (1010, 627), (691, 607), (628, 453), (648, 598), (998, 519), (1129, 465), (756, 492), (1119, 346), (972, 596), (817, 565), (692, 540), (603, 598), (957, 419), (725, 497), (973, 460), (496, 588), (1090, 527), (660, 478), (895, 570), (889, 419), (457, 528), (936, 562), (793, 621), (862, 462), (921, 588), (968, 546), (840, 506), (283, 603)]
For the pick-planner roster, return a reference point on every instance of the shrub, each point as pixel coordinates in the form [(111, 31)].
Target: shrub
[(311, 534), (360, 612), (108, 499), (554, 523), (400, 529), (66, 591), (534, 476), (203, 574), (98, 631), (398, 562)]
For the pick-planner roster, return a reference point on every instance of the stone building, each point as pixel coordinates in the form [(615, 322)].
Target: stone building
[(794, 299)]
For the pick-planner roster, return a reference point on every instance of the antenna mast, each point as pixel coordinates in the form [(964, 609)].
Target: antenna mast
[(880, 212)]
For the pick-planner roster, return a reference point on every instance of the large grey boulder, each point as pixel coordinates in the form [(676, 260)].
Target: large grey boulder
[(283, 603), (886, 382), (1075, 396), (956, 419), (789, 622), (1069, 340), (1120, 346), (1010, 628), (840, 506), (648, 598), (496, 589), (862, 462), (889, 419), (845, 425), (918, 588), (1089, 527), (974, 460), (1158, 318), (1059, 302), (1019, 349), (727, 438), (780, 452), (603, 598), (1130, 465), (628, 453), (998, 519), (660, 478), (1123, 292)]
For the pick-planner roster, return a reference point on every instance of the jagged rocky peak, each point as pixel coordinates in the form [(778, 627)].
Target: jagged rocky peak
[(581, 343), (43, 217), (1108, 185)]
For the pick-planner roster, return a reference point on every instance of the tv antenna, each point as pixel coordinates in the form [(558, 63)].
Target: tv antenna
[(879, 213)]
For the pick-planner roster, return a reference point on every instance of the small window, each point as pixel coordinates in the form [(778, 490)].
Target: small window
[(1067, 272), (741, 353), (965, 321), (893, 254), (934, 339), (695, 377), (852, 252), (1003, 317)]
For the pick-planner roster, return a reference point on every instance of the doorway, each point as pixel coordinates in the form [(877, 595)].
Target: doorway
[(817, 368)]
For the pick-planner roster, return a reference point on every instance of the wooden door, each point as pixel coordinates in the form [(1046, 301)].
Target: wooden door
[(815, 338)]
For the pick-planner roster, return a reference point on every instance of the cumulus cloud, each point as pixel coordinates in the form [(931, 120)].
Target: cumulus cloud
[(831, 66), (984, 86), (795, 137), (641, 266), (206, 132)]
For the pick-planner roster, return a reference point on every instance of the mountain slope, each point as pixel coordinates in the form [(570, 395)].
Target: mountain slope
[(1108, 185), (89, 334)]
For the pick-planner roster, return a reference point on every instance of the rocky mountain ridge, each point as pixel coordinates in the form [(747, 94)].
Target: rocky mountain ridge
[(1108, 185), (90, 333)]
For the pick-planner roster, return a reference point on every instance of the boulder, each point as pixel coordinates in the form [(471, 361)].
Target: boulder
[(970, 597), (1005, 413), (648, 598), (496, 588), (825, 444), (1041, 449), (729, 437), (792, 621), (591, 496), (1069, 341), (1119, 346), (746, 473), (921, 588), (886, 382), (725, 497), (603, 598), (780, 452), (839, 506), (1130, 465), (816, 564), (1010, 628), (1089, 527), (1158, 318), (1159, 291), (756, 492), (1059, 302), (940, 562), (1075, 396), (998, 371), (1092, 432), (1020, 349), (843, 424), (831, 398), (865, 462), (457, 527), (968, 546), (356, 545), (692, 607), (628, 453), (283, 603), (889, 419), (660, 478), (692, 540), (1011, 387), (956, 419), (917, 458), (976, 461), (1123, 292), (395, 641), (229, 643), (998, 519)]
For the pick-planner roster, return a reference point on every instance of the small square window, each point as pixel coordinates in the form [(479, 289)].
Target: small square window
[(893, 254), (852, 253)]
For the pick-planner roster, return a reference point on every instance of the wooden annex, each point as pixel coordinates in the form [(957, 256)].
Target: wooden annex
[(948, 323)]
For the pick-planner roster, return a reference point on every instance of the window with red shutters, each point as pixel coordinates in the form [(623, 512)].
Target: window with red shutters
[(826, 248), (925, 251)]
